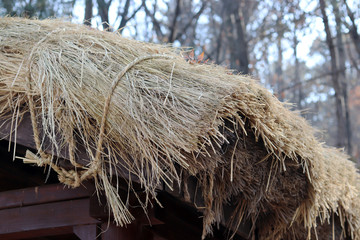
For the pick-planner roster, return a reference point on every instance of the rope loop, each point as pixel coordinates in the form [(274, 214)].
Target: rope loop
[(74, 178)]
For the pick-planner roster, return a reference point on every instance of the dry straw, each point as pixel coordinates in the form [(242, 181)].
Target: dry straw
[(142, 110)]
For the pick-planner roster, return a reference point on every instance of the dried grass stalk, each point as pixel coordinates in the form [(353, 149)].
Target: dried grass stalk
[(143, 108)]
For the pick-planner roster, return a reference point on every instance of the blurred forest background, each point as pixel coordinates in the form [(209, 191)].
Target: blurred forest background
[(307, 52)]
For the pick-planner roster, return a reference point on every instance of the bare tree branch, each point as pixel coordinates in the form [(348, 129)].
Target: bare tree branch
[(124, 18), (196, 16), (155, 22), (307, 81)]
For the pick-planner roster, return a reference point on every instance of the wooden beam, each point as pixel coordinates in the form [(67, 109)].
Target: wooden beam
[(45, 216), (129, 232), (86, 232), (38, 233), (43, 194), (10, 171), (25, 137), (100, 211), (174, 214)]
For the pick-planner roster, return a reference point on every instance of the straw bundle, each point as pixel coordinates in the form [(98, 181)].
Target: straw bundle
[(143, 108)]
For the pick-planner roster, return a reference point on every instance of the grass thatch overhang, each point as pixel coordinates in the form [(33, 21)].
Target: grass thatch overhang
[(143, 108)]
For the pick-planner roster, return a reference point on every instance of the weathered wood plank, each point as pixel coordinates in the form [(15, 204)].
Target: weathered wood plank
[(43, 194), (38, 233), (45, 216)]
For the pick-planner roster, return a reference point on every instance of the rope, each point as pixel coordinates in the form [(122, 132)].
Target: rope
[(74, 178), (70, 178), (96, 163)]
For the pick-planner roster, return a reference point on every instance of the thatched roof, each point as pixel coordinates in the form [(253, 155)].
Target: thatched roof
[(141, 111)]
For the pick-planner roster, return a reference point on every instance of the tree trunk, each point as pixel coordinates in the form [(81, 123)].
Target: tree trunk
[(173, 26), (220, 35), (29, 10), (88, 12), (279, 64), (103, 9), (353, 29), (8, 5), (342, 76), (241, 46), (236, 36), (339, 100), (299, 89)]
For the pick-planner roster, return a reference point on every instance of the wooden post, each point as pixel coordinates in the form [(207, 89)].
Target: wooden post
[(86, 232), (130, 232)]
